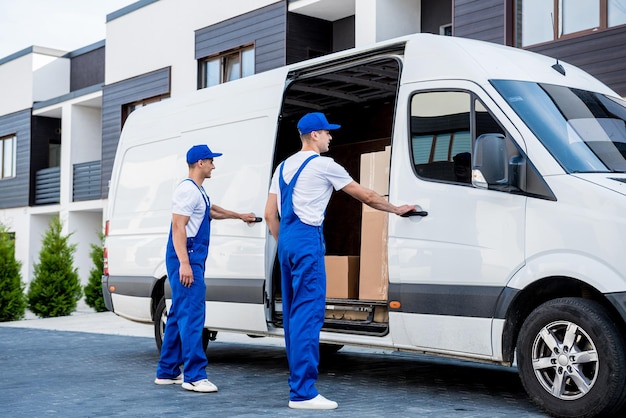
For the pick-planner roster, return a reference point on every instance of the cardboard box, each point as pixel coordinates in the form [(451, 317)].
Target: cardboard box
[(342, 277), (374, 172), (374, 271)]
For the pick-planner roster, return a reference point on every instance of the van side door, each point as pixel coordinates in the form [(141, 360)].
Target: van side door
[(448, 268)]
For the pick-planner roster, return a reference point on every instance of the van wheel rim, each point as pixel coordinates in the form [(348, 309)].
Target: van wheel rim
[(565, 360)]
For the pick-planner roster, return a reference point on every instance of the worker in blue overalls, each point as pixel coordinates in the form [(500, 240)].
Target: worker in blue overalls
[(185, 258), (303, 184)]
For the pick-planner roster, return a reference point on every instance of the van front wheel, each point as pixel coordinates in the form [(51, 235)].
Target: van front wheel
[(160, 319), (571, 360)]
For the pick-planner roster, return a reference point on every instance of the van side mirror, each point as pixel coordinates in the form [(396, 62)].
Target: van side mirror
[(490, 164)]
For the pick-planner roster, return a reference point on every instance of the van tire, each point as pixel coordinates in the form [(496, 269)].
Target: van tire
[(160, 318), (604, 369)]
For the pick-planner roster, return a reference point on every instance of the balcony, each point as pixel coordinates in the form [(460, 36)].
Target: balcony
[(48, 186), (87, 181)]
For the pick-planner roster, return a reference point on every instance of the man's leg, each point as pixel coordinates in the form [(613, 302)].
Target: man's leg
[(191, 317)]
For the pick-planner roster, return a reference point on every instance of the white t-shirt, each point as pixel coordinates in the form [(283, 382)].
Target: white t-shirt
[(187, 200), (314, 187)]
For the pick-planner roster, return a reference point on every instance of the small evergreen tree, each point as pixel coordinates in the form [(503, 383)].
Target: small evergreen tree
[(93, 289), (12, 298), (55, 288)]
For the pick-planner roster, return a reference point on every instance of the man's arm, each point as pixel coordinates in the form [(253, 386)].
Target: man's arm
[(218, 212), (179, 239), (374, 200), (271, 215)]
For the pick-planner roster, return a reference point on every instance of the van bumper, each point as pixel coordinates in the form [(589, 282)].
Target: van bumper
[(106, 294)]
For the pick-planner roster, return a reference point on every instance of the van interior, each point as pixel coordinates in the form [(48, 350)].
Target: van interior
[(361, 96)]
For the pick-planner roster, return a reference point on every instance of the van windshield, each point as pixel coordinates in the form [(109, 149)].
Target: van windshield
[(584, 131)]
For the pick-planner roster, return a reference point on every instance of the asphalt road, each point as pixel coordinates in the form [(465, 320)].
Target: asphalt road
[(52, 373)]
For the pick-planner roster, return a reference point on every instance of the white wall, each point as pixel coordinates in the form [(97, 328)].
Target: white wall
[(16, 85), (86, 134), (51, 77), (162, 34), (84, 227), (16, 221), (379, 20)]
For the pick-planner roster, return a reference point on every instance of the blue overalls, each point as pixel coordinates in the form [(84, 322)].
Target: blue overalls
[(182, 341), (301, 251)]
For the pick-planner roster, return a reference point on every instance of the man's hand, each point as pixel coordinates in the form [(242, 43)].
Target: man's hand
[(248, 218), (186, 274), (401, 210)]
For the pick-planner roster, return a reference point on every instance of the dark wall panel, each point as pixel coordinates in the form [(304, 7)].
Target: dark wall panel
[(479, 19), (343, 34), (307, 37), (434, 14), (14, 191), (265, 28), (87, 69), (602, 54), (114, 97)]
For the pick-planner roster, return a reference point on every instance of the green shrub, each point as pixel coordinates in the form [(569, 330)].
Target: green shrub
[(55, 289), (93, 289), (12, 298)]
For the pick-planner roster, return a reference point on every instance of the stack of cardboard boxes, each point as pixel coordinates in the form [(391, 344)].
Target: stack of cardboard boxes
[(373, 271), (365, 277)]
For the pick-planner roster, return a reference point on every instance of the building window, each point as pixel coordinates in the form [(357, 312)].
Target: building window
[(541, 21), (8, 156), (227, 66), (129, 108)]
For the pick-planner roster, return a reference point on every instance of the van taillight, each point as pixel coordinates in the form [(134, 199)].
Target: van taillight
[(106, 262), (106, 251)]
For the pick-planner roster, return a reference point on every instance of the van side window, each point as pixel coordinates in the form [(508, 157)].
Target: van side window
[(444, 125)]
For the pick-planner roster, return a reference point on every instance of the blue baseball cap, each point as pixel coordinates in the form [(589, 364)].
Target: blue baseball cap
[(200, 152), (315, 121)]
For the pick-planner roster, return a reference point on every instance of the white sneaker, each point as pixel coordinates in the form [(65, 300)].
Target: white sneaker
[(178, 380), (319, 402), (200, 386)]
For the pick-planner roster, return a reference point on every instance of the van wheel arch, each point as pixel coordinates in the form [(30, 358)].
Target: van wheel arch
[(534, 295)]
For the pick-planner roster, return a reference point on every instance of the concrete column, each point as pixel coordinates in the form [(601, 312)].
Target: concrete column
[(379, 20)]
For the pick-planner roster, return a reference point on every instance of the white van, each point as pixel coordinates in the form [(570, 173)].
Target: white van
[(522, 263)]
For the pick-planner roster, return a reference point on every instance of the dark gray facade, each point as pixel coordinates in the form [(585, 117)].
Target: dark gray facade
[(14, 191), (601, 54), (479, 19), (264, 28), (114, 97), (87, 67)]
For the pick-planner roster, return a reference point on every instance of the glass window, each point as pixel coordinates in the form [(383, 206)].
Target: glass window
[(536, 20), (228, 66), (584, 131), (536, 16), (617, 12), (8, 157), (443, 127), (578, 15)]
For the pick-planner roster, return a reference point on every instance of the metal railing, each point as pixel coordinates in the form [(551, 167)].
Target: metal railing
[(87, 181), (48, 186)]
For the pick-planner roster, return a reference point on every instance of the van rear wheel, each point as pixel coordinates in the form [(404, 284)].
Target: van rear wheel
[(571, 360), (160, 319)]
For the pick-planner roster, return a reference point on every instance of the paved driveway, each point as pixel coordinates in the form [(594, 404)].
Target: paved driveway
[(51, 373)]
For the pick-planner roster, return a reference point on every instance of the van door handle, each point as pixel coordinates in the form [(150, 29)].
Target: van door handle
[(257, 219), (414, 213)]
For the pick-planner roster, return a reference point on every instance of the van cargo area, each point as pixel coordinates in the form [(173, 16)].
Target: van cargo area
[(361, 97)]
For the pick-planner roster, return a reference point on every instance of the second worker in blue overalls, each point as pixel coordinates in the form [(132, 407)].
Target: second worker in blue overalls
[(303, 184)]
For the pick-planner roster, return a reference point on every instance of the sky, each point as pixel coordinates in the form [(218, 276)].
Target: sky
[(59, 24)]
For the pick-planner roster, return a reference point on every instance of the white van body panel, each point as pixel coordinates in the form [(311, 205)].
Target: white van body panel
[(581, 236)]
